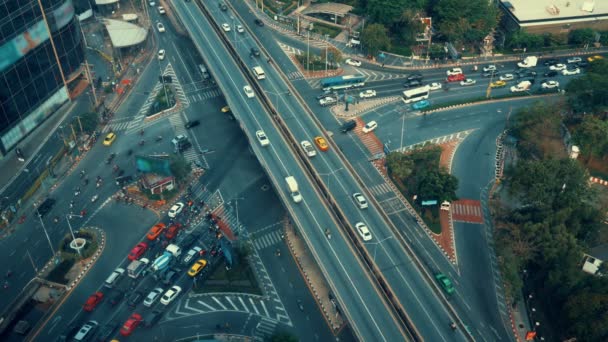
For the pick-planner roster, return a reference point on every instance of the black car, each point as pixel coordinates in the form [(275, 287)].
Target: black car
[(188, 240), (107, 331), (414, 77), (223, 6), (152, 318), (255, 52), (551, 61), (259, 22), (522, 74), (324, 94), (115, 297), (134, 299), (192, 123), (348, 126), (412, 84), (120, 181), (45, 207), (582, 64), (551, 73)]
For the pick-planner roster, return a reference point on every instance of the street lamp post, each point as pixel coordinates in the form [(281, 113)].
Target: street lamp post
[(402, 131), (67, 218), (45, 232)]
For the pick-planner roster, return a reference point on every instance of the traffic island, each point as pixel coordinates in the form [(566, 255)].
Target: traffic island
[(316, 283)]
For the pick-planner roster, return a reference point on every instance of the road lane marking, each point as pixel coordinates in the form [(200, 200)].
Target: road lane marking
[(219, 303)]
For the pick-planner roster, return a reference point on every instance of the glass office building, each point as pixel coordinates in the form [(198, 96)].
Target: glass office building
[(38, 55)]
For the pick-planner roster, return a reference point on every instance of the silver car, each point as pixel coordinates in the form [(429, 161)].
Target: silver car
[(360, 200), (153, 296)]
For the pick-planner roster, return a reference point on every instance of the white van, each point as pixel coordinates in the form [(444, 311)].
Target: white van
[(113, 278), (259, 73), (292, 185)]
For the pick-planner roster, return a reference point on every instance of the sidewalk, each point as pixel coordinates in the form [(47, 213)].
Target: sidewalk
[(314, 279)]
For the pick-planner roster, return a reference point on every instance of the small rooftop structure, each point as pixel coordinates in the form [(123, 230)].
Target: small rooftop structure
[(124, 34)]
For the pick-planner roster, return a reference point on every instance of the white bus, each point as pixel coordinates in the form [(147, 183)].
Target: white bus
[(416, 94)]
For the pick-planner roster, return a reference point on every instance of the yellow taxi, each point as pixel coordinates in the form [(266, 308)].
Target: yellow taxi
[(225, 109), (594, 58), (197, 267), (109, 139), (321, 143), (498, 84)]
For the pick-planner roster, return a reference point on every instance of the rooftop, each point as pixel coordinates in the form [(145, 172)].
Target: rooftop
[(556, 10), (124, 34)]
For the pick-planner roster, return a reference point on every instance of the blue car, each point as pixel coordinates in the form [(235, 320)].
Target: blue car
[(421, 104)]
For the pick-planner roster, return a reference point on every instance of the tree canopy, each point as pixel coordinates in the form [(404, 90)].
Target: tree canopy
[(375, 38), (589, 93), (465, 21)]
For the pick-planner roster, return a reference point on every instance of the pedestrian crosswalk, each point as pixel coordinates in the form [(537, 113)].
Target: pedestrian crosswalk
[(267, 240), (370, 140), (265, 328), (380, 189), (437, 141), (295, 75), (200, 96)]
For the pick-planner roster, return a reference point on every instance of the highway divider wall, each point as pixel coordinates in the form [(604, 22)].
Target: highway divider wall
[(383, 285)]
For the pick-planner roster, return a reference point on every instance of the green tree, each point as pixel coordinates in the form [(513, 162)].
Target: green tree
[(180, 168), (530, 124), (88, 120), (588, 311), (522, 39), (333, 55), (436, 185), (581, 36), (592, 137), (399, 165), (465, 21), (385, 12), (589, 93), (375, 38)]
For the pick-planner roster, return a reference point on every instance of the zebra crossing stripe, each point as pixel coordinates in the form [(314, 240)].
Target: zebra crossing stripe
[(218, 302), (231, 303), (253, 305), (206, 305), (264, 307), (243, 303)]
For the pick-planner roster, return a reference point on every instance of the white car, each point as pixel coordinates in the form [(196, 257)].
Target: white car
[(160, 27), (549, 84), (490, 67), (574, 60), (152, 3), (467, 82), (558, 67), (170, 295), (308, 148), (161, 10), (262, 138), (360, 200), (368, 93), (161, 54), (153, 296), (363, 231), (435, 86), (567, 72), (507, 77), (240, 29), (226, 27), (248, 91), (193, 252), (353, 62), (370, 126), (176, 209), (327, 101), (454, 71)]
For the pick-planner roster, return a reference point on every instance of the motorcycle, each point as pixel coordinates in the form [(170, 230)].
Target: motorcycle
[(159, 138), (328, 233), (300, 305), (129, 152), (72, 204), (141, 142), (98, 184), (94, 199)]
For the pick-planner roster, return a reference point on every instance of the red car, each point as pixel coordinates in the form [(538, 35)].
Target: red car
[(138, 251), (130, 324), (456, 78), (92, 302), (172, 231)]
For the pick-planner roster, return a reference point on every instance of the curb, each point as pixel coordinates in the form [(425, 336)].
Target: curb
[(483, 102), (338, 112), (92, 260)]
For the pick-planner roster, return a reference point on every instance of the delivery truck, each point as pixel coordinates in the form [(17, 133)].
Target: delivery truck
[(136, 267), (528, 62), (292, 185)]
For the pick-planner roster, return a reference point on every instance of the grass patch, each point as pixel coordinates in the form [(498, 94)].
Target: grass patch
[(481, 99), (316, 63), (326, 30)]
